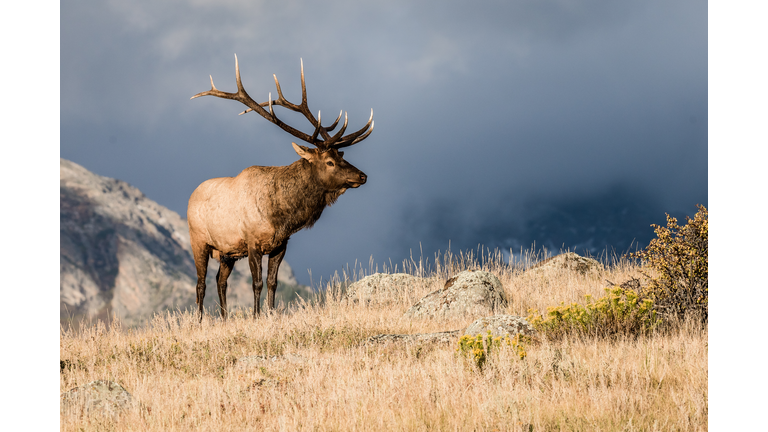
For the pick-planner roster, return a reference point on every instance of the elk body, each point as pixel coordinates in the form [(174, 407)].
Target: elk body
[(255, 213)]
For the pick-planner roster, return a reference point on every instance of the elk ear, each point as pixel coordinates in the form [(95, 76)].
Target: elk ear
[(304, 152), (341, 154)]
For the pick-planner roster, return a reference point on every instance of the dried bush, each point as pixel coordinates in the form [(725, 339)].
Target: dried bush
[(679, 255)]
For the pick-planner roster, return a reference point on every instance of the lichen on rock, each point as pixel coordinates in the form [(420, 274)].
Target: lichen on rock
[(568, 261), (500, 326), (381, 288), (469, 293)]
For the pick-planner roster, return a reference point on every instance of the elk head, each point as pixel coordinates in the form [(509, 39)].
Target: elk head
[(330, 169)]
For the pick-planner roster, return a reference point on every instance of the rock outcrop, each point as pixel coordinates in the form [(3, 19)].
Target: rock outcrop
[(444, 337), (568, 261), (470, 293), (382, 288), (500, 326), (101, 397), (124, 254)]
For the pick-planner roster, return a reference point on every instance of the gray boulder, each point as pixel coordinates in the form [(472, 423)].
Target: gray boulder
[(568, 261), (470, 293), (500, 326), (382, 288), (101, 397)]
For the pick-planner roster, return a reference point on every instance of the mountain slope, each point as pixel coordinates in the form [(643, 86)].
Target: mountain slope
[(124, 254)]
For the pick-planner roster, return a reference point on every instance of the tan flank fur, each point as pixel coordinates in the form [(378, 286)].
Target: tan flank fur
[(256, 212)]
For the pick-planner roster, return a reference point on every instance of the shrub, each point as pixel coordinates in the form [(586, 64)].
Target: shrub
[(679, 255), (620, 312), (480, 351)]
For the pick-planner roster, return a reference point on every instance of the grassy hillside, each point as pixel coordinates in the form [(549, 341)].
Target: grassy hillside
[(187, 377)]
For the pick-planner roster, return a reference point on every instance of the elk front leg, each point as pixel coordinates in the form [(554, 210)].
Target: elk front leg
[(225, 268), (275, 258), (254, 261), (201, 255)]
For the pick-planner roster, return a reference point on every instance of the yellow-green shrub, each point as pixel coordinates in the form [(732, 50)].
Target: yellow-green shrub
[(480, 351), (679, 255), (620, 312)]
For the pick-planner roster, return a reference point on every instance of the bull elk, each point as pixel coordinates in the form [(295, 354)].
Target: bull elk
[(256, 212)]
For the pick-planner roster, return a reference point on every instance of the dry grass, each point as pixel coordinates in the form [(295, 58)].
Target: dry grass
[(186, 374)]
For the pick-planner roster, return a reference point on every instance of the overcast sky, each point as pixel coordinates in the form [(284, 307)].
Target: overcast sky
[(487, 117)]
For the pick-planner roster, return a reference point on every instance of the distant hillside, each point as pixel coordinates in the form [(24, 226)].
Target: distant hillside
[(125, 254)]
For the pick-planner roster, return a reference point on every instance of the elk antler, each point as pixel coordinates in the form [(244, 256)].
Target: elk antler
[(328, 141)]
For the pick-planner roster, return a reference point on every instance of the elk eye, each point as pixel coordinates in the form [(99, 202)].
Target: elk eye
[(329, 163)]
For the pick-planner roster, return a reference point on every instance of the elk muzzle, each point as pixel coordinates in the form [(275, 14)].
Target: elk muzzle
[(357, 179)]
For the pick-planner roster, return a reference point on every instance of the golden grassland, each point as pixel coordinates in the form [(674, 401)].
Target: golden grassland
[(186, 376)]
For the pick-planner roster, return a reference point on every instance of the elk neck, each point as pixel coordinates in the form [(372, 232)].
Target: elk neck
[(297, 199)]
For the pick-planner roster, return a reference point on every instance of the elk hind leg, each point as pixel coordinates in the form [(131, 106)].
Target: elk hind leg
[(226, 265)]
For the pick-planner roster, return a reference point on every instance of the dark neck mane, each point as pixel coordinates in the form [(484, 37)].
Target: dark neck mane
[(297, 199)]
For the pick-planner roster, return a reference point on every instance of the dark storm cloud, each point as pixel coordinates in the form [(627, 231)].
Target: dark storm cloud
[(488, 119), (614, 221)]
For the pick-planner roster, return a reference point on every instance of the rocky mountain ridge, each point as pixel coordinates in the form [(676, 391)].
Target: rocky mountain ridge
[(124, 254)]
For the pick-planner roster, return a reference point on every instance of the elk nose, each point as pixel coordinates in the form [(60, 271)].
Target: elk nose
[(363, 178)]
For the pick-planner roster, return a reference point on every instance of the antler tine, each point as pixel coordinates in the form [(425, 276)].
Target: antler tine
[(333, 126), (302, 108), (330, 141), (357, 140), (240, 87), (282, 101), (355, 137), (317, 129), (279, 90), (324, 130), (304, 87), (212, 92)]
